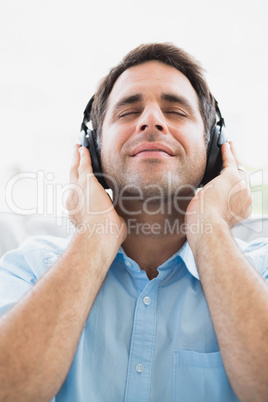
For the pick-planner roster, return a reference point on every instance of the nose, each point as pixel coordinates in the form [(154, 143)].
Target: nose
[(152, 119)]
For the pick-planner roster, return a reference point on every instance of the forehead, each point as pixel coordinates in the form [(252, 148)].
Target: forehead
[(152, 78)]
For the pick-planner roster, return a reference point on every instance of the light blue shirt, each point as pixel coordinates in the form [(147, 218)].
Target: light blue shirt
[(144, 341)]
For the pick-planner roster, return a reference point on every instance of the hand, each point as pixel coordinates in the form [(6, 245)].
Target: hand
[(224, 200), (90, 207)]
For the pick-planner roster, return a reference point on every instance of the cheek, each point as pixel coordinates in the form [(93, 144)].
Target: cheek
[(110, 148), (114, 138), (110, 145), (192, 139)]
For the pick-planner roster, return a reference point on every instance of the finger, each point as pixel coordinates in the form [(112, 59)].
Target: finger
[(73, 175), (239, 163), (228, 157), (85, 161), (234, 150)]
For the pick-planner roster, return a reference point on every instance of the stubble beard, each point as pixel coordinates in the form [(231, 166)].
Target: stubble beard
[(153, 183)]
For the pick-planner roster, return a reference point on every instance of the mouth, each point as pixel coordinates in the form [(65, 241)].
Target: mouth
[(152, 150)]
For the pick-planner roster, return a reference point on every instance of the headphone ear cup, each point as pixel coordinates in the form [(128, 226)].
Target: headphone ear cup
[(88, 141), (214, 158)]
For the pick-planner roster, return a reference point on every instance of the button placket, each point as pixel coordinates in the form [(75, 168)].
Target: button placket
[(142, 343)]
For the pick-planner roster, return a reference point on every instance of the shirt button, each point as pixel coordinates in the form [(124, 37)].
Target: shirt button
[(147, 300), (128, 264), (139, 367)]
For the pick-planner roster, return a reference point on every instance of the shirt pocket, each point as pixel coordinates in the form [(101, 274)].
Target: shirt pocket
[(200, 377)]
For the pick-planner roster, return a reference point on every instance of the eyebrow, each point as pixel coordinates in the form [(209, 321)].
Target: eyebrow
[(178, 99), (127, 100)]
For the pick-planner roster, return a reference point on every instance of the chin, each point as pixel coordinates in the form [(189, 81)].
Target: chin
[(147, 186)]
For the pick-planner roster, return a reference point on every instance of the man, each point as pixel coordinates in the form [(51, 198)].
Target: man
[(132, 309)]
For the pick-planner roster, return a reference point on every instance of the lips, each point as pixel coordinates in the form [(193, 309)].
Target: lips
[(152, 147)]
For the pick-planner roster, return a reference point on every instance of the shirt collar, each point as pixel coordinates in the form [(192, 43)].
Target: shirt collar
[(187, 257), (184, 253)]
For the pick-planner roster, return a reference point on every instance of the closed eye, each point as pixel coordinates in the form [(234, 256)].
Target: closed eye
[(176, 113), (128, 113)]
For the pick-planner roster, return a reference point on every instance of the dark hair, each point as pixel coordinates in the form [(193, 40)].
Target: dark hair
[(166, 53)]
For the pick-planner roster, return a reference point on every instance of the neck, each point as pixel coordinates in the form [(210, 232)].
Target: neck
[(153, 236)]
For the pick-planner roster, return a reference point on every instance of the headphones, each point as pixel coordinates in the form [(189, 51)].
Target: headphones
[(214, 159)]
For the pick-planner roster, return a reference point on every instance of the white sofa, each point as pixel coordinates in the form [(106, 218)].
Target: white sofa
[(15, 228)]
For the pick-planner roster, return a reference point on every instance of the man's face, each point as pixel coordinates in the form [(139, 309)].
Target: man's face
[(153, 133)]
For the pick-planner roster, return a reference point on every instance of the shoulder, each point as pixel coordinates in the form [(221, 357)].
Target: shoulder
[(51, 244), (256, 252), (22, 267), (42, 245), (35, 254)]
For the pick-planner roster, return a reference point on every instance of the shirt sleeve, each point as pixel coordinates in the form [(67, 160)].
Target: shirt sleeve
[(22, 267), (257, 254)]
